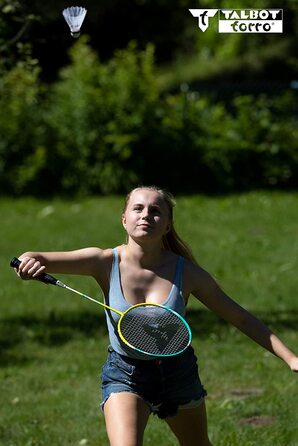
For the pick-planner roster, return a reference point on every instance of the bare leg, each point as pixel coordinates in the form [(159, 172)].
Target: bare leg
[(126, 416), (190, 426)]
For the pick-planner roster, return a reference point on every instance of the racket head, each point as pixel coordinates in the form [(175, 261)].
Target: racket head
[(154, 330)]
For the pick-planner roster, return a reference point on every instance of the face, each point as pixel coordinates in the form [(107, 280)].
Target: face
[(146, 215)]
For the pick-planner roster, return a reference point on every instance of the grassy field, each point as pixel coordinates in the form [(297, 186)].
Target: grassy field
[(53, 344)]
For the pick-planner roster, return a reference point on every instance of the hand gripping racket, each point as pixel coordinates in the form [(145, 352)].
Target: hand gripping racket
[(149, 328)]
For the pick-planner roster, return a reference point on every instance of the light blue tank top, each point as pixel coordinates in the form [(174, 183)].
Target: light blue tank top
[(175, 301)]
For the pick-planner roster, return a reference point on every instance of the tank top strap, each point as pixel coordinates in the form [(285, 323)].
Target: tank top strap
[(179, 273), (115, 275), (115, 261)]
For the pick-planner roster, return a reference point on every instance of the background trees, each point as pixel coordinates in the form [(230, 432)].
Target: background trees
[(144, 96)]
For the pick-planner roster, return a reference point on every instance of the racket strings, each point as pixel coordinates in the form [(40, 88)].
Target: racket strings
[(154, 330)]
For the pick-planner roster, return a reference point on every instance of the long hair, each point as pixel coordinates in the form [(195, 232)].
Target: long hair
[(171, 240)]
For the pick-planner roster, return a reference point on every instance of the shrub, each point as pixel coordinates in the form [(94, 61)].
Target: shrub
[(104, 128), (20, 159), (199, 146), (254, 146), (94, 118)]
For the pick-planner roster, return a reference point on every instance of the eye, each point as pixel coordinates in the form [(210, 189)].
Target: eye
[(137, 208)]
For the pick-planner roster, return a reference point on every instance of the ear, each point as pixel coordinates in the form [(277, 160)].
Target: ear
[(168, 228), (123, 219)]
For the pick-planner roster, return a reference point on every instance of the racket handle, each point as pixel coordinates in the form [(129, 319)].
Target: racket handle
[(46, 278)]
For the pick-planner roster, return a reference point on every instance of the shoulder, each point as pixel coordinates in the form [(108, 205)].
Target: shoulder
[(101, 257), (191, 269), (100, 261), (92, 261), (196, 279)]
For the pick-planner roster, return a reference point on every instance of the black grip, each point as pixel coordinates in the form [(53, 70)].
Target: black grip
[(46, 278)]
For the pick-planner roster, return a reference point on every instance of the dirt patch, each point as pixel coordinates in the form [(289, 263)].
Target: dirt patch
[(246, 393), (258, 420)]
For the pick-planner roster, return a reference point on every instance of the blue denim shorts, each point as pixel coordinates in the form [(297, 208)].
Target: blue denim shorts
[(166, 385)]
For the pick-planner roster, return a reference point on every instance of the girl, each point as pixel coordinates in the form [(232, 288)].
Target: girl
[(156, 266)]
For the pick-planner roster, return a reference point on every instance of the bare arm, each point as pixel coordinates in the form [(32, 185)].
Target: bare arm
[(205, 289), (93, 262)]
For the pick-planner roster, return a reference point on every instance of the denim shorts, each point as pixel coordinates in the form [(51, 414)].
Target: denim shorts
[(166, 385)]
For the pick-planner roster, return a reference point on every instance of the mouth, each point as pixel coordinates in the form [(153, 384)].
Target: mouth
[(144, 225)]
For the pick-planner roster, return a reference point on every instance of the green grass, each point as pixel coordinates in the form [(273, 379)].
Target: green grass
[(53, 344)]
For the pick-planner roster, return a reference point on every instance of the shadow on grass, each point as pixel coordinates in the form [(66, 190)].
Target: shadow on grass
[(52, 331), (59, 328)]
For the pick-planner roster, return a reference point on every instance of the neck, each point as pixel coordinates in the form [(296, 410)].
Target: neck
[(145, 254)]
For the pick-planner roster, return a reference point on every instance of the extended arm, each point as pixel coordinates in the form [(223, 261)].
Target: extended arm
[(93, 262), (205, 288)]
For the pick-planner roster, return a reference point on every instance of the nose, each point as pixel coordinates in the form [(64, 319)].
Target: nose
[(145, 213)]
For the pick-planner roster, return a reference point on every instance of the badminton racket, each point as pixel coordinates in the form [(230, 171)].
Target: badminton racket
[(149, 328)]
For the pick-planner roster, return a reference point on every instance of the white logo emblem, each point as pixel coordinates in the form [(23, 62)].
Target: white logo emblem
[(242, 20), (203, 17)]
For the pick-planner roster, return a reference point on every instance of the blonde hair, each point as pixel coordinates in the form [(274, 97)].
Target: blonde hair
[(171, 240)]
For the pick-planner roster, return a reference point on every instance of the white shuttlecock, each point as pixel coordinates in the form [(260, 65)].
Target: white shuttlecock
[(74, 17)]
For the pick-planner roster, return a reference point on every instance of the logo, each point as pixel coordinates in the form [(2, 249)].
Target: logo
[(203, 17), (241, 20)]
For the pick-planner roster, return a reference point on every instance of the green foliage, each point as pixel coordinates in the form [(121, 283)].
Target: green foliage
[(20, 159), (94, 117), (202, 146), (255, 145), (212, 56), (14, 23), (104, 127)]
